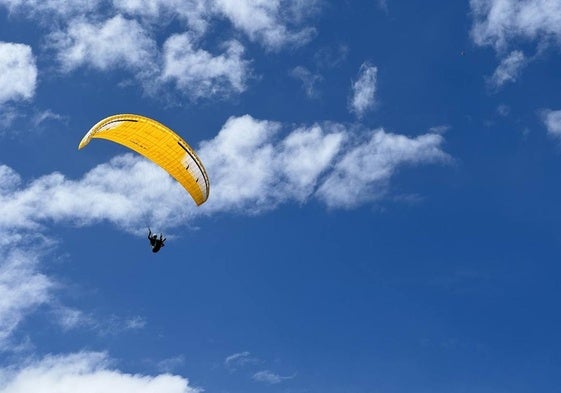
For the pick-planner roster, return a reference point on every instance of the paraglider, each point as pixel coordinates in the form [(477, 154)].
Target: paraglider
[(160, 145)]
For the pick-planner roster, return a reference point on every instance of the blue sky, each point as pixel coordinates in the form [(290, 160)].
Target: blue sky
[(383, 209)]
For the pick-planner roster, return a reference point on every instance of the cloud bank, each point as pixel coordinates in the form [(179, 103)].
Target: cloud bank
[(252, 168), (124, 35), (86, 372)]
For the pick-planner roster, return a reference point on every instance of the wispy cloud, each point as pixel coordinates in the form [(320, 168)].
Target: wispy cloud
[(331, 56), (270, 377), (22, 287), (70, 318), (86, 372), (18, 72), (509, 69), (44, 10), (383, 5), (364, 90), (238, 360), (170, 364), (308, 79), (552, 121), (441, 129)]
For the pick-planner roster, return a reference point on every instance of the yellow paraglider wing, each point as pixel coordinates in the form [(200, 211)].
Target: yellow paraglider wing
[(160, 145)]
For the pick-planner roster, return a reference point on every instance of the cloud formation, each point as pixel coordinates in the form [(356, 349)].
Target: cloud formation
[(364, 90), (362, 174), (22, 287), (509, 69), (269, 377), (44, 10), (507, 24), (122, 35), (115, 43), (252, 169), (552, 121), (500, 22), (308, 79), (251, 166), (269, 22), (199, 73), (86, 372), (196, 15), (18, 72), (239, 359)]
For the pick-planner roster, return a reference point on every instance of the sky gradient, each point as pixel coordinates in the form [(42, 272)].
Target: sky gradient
[(383, 206)]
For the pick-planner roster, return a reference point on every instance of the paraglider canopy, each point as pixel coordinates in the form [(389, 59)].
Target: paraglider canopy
[(159, 144)]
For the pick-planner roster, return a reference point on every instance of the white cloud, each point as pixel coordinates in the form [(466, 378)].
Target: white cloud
[(236, 357), (71, 318), (8, 116), (18, 72), (305, 154), (269, 377), (251, 169), (170, 364), (499, 22), (509, 69), (239, 162), (86, 372), (196, 13), (552, 121), (440, 129), (44, 116), (269, 21), (201, 74), (109, 192), (308, 79), (362, 174), (120, 43), (239, 359), (22, 288), (114, 43), (505, 24), (364, 89), (9, 180), (79, 36), (40, 8)]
